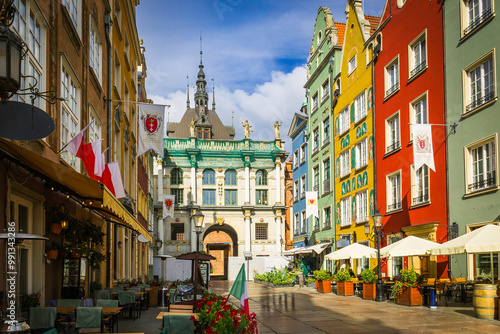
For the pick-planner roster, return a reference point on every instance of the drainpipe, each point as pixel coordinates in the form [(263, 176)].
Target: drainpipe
[(108, 22)]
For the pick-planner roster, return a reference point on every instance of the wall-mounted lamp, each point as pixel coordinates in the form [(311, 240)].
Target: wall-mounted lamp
[(119, 245), (64, 224)]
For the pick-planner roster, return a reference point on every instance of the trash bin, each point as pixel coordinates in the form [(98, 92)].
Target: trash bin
[(432, 297), (162, 297)]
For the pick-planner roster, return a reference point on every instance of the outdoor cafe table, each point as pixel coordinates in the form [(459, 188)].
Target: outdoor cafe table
[(462, 288), (113, 311)]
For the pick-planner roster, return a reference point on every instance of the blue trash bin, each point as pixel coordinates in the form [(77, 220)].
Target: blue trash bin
[(432, 297)]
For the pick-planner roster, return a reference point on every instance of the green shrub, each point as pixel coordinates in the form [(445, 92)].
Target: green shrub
[(322, 275), (343, 275), (310, 280), (368, 276), (409, 278)]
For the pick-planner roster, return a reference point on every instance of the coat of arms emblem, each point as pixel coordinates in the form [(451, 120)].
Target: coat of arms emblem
[(151, 123)]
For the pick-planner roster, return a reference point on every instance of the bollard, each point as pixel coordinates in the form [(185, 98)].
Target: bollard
[(432, 297)]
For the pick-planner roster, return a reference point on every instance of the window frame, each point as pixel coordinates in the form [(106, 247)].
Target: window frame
[(208, 178), (412, 109), (468, 106), (233, 177), (259, 194), (315, 101), (327, 174), (176, 179), (261, 178), (303, 186), (315, 140), (358, 149), (325, 93), (76, 21), (261, 228), (179, 200), (467, 29), (232, 199), (344, 117), (296, 159), (95, 49), (425, 198), (296, 230), (303, 153), (469, 177), (359, 198), (352, 64), (327, 129), (393, 206), (327, 223), (391, 88), (208, 195), (303, 220), (360, 107), (345, 162), (345, 212), (315, 178), (391, 145), (296, 191), (414, 69)]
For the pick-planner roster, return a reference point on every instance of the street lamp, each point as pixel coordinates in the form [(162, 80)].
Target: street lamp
[(198, 225), (377, 225), (11, 53)]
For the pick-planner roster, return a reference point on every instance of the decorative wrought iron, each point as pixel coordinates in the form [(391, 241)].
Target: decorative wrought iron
[(486, 183), (394, 206), (7, 11), (393, 146), (418, 68), (479, 102), (392, 89), (478, 20), (33, 92)]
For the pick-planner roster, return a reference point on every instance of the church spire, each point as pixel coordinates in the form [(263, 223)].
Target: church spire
[(213, 92), (201, 95), (187, 102)]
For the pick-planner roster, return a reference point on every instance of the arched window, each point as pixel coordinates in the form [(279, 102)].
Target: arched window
[(261, 178), (230, 177), (209, 177), (176, 177)]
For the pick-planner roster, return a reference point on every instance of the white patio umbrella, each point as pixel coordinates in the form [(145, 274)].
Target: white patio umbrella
[(409, 246), (484, 240), (353, 251)]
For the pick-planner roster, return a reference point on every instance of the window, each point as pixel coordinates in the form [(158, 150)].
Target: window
[(69, 114), (303, 186), (303, 152), (176, 177), (481, 165), (392, 133), (177, 232), (326, 131), (95, 125), (74, 10), (208, 196), (420, 185), (475, 13), (260, 231), (231, 197), (326, 176), (315, 102), (209, 177), (361, 154), (325, 89), (327, 217), (95, 50), (296, 191), (418, 112), (361, 207), (351, 66), (261, 178), (344, 120), (345, 163), (316, 178), (315, 141), (179, 195), (304, 221), (417, 55), (392, 77), (394, 191), (345, 212), (261, 197), (480, 83), (316, 223), (297, 223), (360, 107), (69, 92), (230, 177), (296, 159)]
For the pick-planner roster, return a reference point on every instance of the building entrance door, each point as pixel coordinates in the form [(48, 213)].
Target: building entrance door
[(221, 252)]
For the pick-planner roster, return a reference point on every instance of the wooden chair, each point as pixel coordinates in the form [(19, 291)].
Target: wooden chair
[(441, 291), (126, 299), (42, 319), (176, 308), (89, 320), (431, 281), (177, 324)]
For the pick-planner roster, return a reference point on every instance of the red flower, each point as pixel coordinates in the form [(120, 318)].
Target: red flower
[(209, 330), (193, 319), (233, 313), (209, 303)]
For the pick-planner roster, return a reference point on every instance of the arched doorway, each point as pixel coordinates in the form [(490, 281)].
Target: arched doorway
[(220, 241)]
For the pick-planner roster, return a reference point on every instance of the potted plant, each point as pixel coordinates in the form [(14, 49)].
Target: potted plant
[(310, 282), (408, 290), (324, 281), (369, 284), (29, 300), (345, 286), (53, 250), (153, 292)]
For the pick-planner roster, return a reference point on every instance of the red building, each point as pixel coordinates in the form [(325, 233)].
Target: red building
[(409, 89)]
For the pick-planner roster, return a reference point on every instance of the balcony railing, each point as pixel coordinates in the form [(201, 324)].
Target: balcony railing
[(328, 223), (315, 150), (326, 186), (418, 68), (219, 145), (479, 102), (394, 206), (316, 188), (303, 194), (296, 232), (391, 90), (420, 199), (393, 146), (478, 20), (487, 183), (326, 140), (303, 229)]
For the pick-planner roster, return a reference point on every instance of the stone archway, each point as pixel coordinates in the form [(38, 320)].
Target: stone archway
[(221, 242)]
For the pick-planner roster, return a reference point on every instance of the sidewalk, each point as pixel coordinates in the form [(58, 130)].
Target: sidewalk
[(303, 310)]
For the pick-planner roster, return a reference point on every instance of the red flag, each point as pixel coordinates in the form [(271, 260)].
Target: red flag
[(76, 144), (92, 152), (111, 178)]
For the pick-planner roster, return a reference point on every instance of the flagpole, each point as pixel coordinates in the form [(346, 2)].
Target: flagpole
[(85, 128), (137, 102)]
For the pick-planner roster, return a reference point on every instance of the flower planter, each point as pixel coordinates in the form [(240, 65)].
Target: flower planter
[(317, 284), (52, 254), (290, 285), (410, 296), (153, 296), (345, 288), (369, 291), (55, 228), (75, 254), (325, 286)]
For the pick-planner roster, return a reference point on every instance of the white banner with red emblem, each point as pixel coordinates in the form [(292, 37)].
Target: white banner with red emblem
[(168, 205), (312, 204), (422, 146), (151, 132)]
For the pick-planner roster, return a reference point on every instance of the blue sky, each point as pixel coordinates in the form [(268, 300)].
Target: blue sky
[(256, 52)]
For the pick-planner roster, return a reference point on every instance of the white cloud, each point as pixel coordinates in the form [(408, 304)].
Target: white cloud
[(275, 100)]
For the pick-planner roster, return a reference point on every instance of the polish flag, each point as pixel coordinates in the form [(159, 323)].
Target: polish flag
[(91, 157), (100, 164), (111, 178), (76, 145)]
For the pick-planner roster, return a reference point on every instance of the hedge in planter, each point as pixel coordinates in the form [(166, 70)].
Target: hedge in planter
[(369, 284), (345, 286), (324, 281), (408, 290)]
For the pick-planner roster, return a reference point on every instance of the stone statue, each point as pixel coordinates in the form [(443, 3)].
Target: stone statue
[(191, 127), (277, 130), (247, 128)]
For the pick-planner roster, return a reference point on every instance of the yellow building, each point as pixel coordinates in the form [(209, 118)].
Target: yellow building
[(354, 173)]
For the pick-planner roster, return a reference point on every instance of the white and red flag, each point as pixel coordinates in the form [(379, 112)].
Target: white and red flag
[(312, 204), (92, 155), (151, 132), (168, 206), (240, 291), (422, 146), (76, 145), (111, 178)]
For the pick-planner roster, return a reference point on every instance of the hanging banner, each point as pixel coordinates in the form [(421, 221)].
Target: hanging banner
[(151, 128), (168, 206), (312, 204), (422, 146)]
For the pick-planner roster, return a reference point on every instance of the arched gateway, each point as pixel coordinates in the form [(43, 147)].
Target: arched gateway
[(220, 241)]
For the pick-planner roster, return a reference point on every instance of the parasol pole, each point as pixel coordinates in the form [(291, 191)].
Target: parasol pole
[(492, 272)]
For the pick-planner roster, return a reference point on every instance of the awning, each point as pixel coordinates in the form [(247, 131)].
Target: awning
[(91, 191), (318, 249)]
